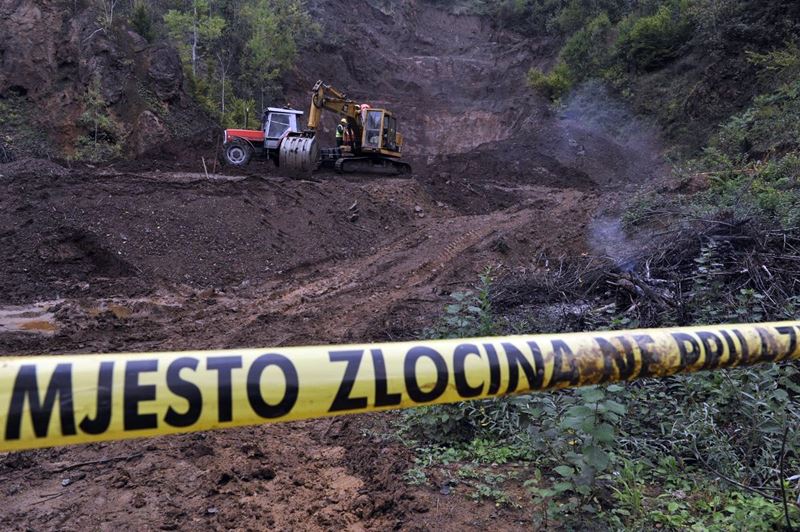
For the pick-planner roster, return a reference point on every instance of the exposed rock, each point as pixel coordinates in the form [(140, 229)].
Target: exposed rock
[(149, 132), (50, 55), (165, 72)]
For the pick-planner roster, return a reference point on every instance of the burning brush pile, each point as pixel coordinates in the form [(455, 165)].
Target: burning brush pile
[(685, 271)]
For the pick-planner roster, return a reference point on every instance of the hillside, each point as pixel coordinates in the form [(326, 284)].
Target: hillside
[(72, 86), (560, 183)]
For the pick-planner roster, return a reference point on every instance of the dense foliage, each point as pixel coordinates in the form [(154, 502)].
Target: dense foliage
[(687, 63), (234, 51), (708, 451)]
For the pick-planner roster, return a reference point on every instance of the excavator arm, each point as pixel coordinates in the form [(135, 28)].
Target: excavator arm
[(327, 98), (299, 152)]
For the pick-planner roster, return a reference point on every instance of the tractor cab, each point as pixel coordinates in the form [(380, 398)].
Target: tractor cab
[(276, 123), (380, 134)]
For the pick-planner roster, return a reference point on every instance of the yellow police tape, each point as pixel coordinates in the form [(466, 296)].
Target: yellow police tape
[(61, 400)]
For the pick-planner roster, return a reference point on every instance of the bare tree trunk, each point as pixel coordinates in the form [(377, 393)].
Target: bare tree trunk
[(194, 40), (223, 96), (224, 65)]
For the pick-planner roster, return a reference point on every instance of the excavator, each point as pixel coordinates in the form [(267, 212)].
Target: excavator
[(375, 147)]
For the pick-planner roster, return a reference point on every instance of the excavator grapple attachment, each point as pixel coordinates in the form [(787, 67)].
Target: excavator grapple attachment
[(299, 155)]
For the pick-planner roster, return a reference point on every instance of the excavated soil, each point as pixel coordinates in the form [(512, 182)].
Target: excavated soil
[(97, 263), (149, 256)]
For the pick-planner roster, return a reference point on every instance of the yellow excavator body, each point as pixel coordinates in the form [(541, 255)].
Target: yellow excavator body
[(376, 145)]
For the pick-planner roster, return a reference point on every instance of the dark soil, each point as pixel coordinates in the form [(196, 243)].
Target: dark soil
[(154, 255)]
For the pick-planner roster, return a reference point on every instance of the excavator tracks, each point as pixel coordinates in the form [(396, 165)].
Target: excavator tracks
[(371, 165)]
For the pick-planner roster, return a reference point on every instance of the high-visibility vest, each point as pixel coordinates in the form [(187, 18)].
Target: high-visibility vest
[(339, 131)]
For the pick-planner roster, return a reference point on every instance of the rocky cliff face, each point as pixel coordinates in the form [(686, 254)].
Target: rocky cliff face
[(52, 52)]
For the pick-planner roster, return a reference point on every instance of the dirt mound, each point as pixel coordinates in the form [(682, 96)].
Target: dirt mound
[(94, 230), (33, 167)]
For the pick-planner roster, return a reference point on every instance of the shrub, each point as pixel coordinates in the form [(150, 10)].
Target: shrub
[(553, 84), (648, 43), (142, 21), (104, 135), (770, 126), (782, 65), (586, 52)]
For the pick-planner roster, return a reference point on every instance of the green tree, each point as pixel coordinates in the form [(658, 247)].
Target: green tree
[(194, 28), (103, 139), (276, 30), (648, 43), (95, 115), (586, 52), (142, 21)]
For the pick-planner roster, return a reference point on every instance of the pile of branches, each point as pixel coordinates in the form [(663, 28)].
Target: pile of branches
[(699, 271)]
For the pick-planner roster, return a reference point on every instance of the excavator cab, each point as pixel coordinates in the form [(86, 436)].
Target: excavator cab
[(380, 133)]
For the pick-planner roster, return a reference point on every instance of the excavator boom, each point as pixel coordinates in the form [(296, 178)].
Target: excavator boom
[(325, 97)]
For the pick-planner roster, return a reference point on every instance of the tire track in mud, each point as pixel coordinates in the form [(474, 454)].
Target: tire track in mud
[(343, 301), (319, 475)]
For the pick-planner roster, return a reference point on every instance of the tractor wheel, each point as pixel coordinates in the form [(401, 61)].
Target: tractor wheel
[(238, 153)]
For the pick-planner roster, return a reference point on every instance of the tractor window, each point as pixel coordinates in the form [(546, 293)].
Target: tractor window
[(278, 125), (373, 129)]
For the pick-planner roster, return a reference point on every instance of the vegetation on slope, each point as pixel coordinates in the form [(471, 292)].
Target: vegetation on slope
[(234, 51), (714, 451)]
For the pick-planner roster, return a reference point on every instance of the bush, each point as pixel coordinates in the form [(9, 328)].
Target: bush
[(779, 66), (554, 84), (586, 52), (767, 192), (142, 21), (103, 140), (771, 126), (89, 150), (648, 43), (675, 452), (529, 17)]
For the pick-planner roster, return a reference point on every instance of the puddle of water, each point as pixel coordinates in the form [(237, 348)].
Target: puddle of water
[(120, 312), (29, 318), (39, 326)]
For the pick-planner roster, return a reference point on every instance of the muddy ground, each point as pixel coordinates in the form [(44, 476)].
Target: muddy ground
[(97, 262), (155, 255)]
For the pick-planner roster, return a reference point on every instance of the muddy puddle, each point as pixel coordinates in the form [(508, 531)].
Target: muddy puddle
[(35, 318), (49, 317)]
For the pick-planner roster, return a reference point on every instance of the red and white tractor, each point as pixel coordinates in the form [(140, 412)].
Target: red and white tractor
[(240, 145)]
